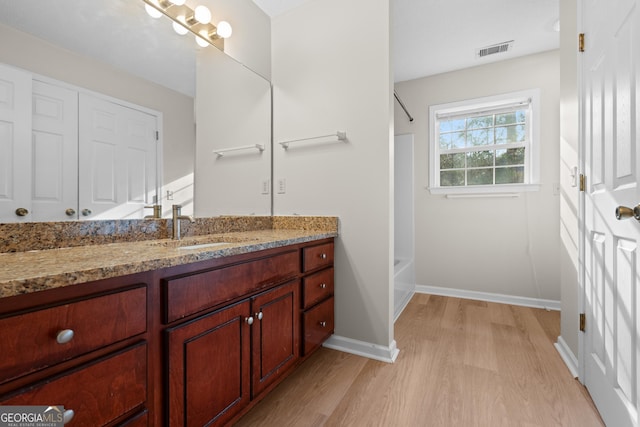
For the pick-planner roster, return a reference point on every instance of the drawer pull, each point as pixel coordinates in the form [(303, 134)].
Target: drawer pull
[(323, 256), (64, 336), (323, 286), (322, 323), (259, 315), (249, 320), (67, 416)]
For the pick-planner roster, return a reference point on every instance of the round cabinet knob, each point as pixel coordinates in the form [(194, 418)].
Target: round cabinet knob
[(249, 320), (70, 212), (65, 336), (22, 212), (67, 416), (86, 212), (259, 316), (323, 286), (323, 256), (322, 323)]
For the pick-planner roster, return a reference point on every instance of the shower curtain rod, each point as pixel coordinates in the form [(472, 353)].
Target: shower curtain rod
[(402, 105)]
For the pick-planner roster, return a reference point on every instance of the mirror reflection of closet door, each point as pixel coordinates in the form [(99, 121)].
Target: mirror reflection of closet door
[(15, 147), (117, 159), (54, 140)]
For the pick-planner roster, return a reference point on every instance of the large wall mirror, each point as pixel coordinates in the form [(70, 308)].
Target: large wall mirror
[(210, 102)]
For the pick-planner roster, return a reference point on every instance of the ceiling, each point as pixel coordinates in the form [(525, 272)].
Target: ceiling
[(429, 36), (436, 36)]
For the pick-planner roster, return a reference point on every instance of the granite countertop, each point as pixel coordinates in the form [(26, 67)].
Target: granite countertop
[(37, 270)]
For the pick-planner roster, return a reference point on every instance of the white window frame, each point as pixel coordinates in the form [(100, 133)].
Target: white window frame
[(532, 148)]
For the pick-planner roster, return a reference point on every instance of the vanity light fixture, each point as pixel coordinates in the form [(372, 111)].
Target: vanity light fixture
[(196, 21)]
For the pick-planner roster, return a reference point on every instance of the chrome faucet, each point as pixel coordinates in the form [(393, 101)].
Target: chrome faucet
[(177, 216)]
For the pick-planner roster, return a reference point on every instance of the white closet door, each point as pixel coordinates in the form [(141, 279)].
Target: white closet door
[(55, 153), (15, 144), (117, 159)]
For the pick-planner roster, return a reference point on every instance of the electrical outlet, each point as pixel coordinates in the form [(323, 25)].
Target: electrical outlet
[(282, 186), (265, 187)]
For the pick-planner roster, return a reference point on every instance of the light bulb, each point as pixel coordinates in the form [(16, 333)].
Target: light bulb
[(154, 13), (202, 14), (201, 42), (179, 28), (224, 29)]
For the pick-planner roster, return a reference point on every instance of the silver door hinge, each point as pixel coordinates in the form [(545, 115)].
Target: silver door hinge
[(581, 42), (583, 322)]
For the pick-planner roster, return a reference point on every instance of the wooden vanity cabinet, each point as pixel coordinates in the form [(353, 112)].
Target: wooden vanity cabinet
[(218, 362), (208, 367), (84, 347), (192, 345), (317, 301)]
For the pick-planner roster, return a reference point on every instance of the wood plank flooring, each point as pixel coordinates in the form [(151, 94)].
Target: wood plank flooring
[(461, 363)]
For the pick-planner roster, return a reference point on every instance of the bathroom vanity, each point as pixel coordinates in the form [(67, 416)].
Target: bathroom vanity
[(173, 333)]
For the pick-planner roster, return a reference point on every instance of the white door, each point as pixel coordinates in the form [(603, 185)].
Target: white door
[(117, 160), (54, 168), (15, 145), (610, 118)]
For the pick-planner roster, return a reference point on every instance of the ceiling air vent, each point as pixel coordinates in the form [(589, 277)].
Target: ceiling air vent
[(493, 49)]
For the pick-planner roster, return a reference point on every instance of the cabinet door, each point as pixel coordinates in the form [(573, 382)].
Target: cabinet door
[(15, 144), (54, 167), (117, 159), (275, 333), (208, 368)]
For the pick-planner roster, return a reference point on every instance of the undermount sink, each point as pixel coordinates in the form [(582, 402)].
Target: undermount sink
[(203, 245), (201, 242)]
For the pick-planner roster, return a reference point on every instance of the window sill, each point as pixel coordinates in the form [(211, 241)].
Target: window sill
[(506, 190)]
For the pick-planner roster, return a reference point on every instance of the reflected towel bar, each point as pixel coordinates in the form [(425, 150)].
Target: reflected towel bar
[(258, 147), (342, 136)]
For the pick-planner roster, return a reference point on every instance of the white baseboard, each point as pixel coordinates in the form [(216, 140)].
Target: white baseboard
[(362, 348), (567, 356), (486, 296)]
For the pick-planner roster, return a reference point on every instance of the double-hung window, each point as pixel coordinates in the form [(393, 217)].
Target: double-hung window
[(485, 145)]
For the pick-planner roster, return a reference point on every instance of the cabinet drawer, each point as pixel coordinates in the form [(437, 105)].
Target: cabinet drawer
[(317, 287), (318, 325), (317, 256), (30, 340), (97, 393), (190, 294)]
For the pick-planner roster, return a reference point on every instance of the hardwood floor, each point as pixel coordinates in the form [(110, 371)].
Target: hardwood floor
[(461, 363)]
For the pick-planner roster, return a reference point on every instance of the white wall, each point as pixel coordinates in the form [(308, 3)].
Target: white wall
[(36, 55), (569, 151), (233, 109), (332, 71), (496, 245), (250, 43)]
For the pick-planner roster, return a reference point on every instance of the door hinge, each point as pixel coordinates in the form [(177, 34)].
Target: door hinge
[(583, 322), (583, 182), (581, 42)]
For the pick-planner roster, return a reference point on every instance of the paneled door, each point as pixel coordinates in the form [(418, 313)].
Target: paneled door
[(610, 117), (15, 145), (117, 159), (54, 162)]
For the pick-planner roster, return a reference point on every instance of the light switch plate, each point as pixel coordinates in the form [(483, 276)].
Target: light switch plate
[(282, 186)]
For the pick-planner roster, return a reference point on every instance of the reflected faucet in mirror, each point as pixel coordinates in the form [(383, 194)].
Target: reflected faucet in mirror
[(177, 216)]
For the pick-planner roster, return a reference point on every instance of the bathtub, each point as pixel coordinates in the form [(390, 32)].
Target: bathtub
[(403, 283)]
